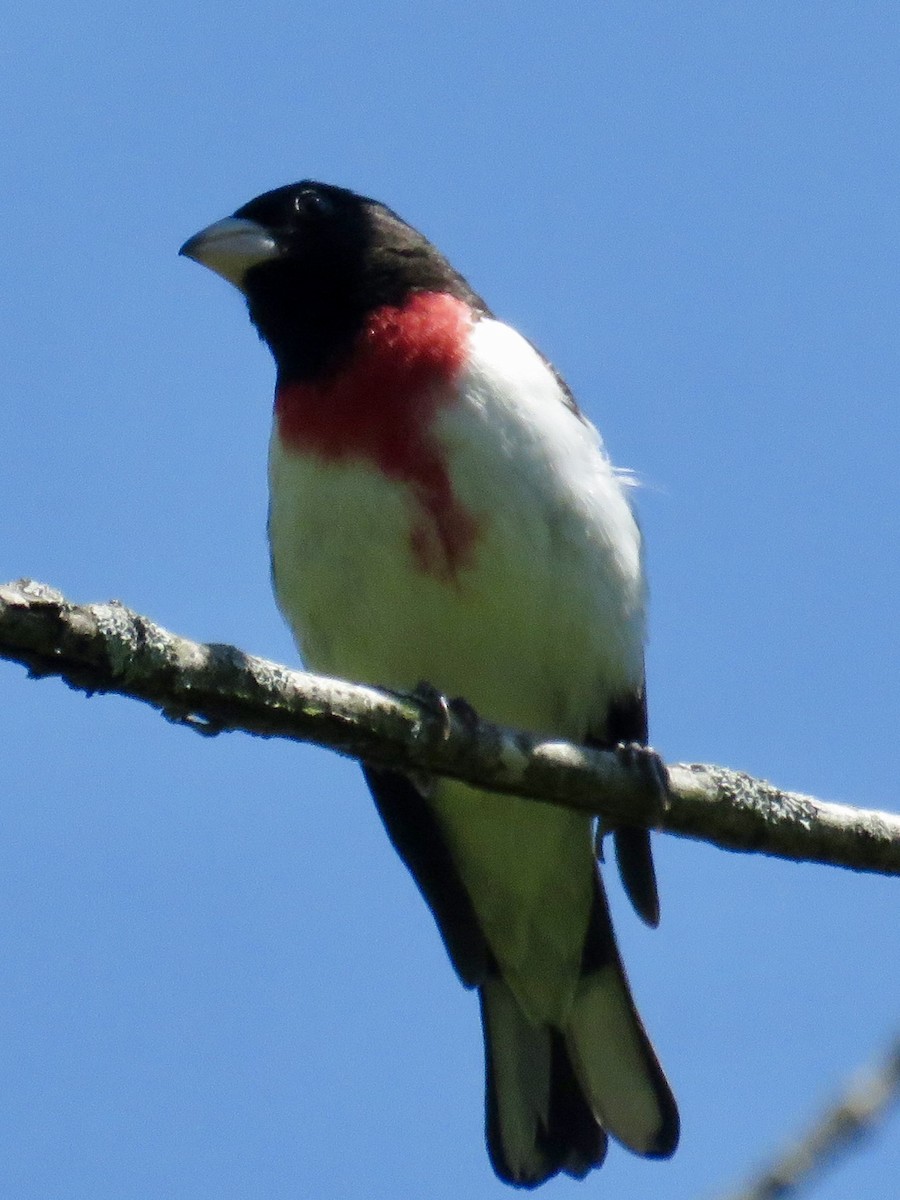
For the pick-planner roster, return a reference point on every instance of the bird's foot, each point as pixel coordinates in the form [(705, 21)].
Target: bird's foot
[(436, 703), (446, 709), (645, 760)]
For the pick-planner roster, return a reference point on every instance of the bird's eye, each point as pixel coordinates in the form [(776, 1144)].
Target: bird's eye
[(309, 203)]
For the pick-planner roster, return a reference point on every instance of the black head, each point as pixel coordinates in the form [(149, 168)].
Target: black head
[(313, 260)]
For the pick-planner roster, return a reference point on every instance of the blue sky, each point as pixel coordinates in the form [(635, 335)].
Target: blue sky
[(217, 981)]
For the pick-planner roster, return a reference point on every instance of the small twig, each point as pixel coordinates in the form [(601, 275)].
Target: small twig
[(213, 688), (842, 1127)]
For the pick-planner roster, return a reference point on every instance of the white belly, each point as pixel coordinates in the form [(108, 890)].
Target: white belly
[(541, 629)]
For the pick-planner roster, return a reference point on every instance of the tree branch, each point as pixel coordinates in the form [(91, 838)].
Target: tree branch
[(213, 688), (843, 1126)]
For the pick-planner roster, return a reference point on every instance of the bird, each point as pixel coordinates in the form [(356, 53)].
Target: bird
[(443, 515)]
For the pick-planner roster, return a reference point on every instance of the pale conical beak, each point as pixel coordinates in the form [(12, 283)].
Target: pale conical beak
[(231, 247)]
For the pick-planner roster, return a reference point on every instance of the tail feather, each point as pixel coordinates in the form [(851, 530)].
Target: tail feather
[(553, 1092), (614, 1060), (538, 1120), (553, 1095)]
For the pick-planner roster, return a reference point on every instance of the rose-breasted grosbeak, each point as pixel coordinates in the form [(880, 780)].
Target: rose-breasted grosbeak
[(441, 512)]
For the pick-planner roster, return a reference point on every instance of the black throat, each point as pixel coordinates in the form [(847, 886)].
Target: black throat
[(342, 257)]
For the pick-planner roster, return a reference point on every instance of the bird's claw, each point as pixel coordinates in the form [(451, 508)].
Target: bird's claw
[(445, 709), (645, 760)]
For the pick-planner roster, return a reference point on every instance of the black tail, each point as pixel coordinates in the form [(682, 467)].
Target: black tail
[(553, 1095), (538, 1120)]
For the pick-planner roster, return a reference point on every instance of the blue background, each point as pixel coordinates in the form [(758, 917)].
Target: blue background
[(217, 980)]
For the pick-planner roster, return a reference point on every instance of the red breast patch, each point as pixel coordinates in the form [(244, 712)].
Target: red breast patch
[(380, 408)]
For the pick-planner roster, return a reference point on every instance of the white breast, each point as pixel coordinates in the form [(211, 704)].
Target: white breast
[(544, 627), (541, 630)]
